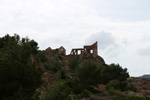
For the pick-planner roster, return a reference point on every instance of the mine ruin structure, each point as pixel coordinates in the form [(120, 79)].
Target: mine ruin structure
[(89, 49), (60, 50)]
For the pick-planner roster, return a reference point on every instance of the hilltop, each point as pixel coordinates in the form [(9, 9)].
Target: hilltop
[(27, 73), (145, 76), (58, 56), (135, 86)]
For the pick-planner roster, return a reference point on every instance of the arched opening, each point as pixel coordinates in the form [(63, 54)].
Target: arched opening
[(91, 51)]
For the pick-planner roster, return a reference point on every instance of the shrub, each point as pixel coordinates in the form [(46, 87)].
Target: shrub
[(54, 66), (131, 87), (123, 85), (88, 73), (85, 93), (114, 72), (122, 97), (113, 84), (77, 87), (46, 65), (73, 62), (41, 56), (61, 74), (59, 91)]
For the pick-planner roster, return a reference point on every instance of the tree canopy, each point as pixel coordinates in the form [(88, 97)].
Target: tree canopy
[(19, 75)]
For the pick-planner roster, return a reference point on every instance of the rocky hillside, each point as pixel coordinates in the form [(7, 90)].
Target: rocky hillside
[(142, 85), (48, 75), (27, 73), (143, 90)]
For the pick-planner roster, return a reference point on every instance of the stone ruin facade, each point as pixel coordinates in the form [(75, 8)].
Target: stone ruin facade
[(60, 50), (87, 49)]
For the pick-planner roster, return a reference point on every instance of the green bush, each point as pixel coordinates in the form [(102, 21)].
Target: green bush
[(41, 56), (61, 74), (113, 84), (59, 91), (131, 87), (46, 65), (122, 97), (114, 72), (85, 93), (123, 85), (88, 73), (53, 66), (77, 87), (73, 62)]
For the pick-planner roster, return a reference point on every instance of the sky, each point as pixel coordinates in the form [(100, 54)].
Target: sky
[(121, 27)]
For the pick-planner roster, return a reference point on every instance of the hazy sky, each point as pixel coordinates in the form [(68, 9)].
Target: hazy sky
[(121, 27)]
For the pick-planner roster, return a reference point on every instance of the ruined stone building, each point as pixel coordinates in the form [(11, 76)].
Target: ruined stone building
[(88, 49), (60, 50)]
